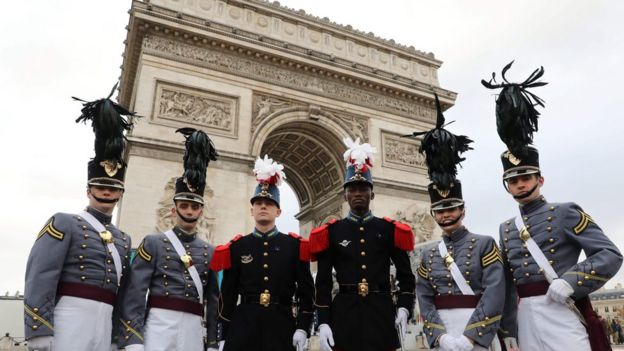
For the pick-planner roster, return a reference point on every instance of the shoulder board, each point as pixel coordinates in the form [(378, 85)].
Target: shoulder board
[(319, 239), (403, 235), (294, 235), (221, 259)]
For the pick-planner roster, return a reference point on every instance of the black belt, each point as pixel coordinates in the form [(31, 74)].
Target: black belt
[(372, 289), (255, 299)]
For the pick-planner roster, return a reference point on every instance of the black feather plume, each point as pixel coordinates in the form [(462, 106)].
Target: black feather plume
[(442, 149), (199, 152), (109, 124), (516, 115)]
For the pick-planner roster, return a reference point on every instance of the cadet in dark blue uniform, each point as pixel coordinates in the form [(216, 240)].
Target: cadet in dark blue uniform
[(360, 248), (79, 261), (270, 272)]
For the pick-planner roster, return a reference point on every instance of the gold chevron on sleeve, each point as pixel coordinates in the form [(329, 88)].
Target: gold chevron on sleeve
[(491, 257), (143, 253), (583, 222), (51, 231), (422, 271)]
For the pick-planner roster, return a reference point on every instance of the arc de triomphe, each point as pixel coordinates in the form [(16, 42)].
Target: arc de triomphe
[(261, 78)]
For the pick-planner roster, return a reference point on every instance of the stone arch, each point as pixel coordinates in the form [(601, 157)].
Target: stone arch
[(311, 150)]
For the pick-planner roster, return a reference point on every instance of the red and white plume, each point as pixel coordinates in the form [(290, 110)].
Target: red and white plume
[(269, 171), (359, 155)]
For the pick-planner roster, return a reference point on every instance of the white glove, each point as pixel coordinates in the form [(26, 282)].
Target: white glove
[(401, 321), (221, 345), (462, 343), (446, 343), (559, 290), (299, 339), (326, 337), (41, 343), (135, 347), (212, 349), (511, 344)]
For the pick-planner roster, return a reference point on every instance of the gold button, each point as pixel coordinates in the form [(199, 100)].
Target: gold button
[(551, 240), (507, 230), (34, 327), (480, 334), (266, 279), (361, 229), (592, 272), (265, 265), (166, 283), (35, 309), (205, 254), (470, 247), (526, 218), (586, 277), (266, 243), (552, 250), (549, 218), (467, 272), (552, 208), (126, 337), (109, 270), (86, 236), (84, 227), (266, 291), (167, 249), (450, 284), (83, 278), (549, 229), (473, 240), (188, 285), (109, 261), (166, 293), (551, 261), (526, 255), (266, 254), (579, 283), (81, 267), (467, 281), (108, 280), (84, 246), (363, 280), (468, 255), (362, 241), (527, 274), (435, 286), (35, 318), (166, 267), (363, 266), (525, 263), (167, 257), (363, 253)]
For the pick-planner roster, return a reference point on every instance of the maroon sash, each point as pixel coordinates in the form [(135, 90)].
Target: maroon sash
[(598, 338)]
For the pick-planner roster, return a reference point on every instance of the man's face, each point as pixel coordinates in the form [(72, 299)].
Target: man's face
[(190, 210), (103, 197), (449, 219), (525, 188), (265, 211), (358, 196)]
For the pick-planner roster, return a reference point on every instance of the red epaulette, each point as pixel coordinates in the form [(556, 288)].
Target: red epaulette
[(221, 259), (403, 235), (304, 248), (319, 237)]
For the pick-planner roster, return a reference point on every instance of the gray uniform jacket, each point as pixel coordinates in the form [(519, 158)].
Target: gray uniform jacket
[(70, 250), (561, 230), (478, 258), (158, 268)]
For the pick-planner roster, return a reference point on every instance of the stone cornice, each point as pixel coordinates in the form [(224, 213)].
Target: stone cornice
[(146, 19)]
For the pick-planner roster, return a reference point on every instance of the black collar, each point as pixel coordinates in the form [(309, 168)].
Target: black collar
[(183, 235), (533, 205), (456, 236), (100, 216)]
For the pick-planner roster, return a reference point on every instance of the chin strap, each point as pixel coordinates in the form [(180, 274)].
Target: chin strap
[(452, 222), (186, 219), (525, 195), (104, 201)]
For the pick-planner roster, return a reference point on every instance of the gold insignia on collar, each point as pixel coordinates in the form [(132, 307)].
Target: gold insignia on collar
[(110, 167), (187, 260), (512, 158), (246, 259)]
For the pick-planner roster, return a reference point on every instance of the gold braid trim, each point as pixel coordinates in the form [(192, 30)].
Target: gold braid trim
[(130, 329), (143, 253), (434, 326), (50, 230), (484, 323), (37, 318), (588, 276), (493, 256)]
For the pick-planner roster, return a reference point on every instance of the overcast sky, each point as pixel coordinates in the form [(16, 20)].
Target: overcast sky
[(52, 50)]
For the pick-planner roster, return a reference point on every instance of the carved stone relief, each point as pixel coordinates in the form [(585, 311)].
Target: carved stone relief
[(179, 106), (401, 153), (165, 220), (277, 74), (334, 213), (419, 219), (265, 105)]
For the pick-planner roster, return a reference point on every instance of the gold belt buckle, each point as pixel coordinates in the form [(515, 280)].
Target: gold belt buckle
[(448, 260), (187, 260), (363, 289), (524, 234), (265, 299), (107, 237)]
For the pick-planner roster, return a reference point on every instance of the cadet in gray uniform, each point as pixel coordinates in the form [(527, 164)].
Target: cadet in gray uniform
[(460, 280), (173, 267), (79, 261), (541, 245)]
